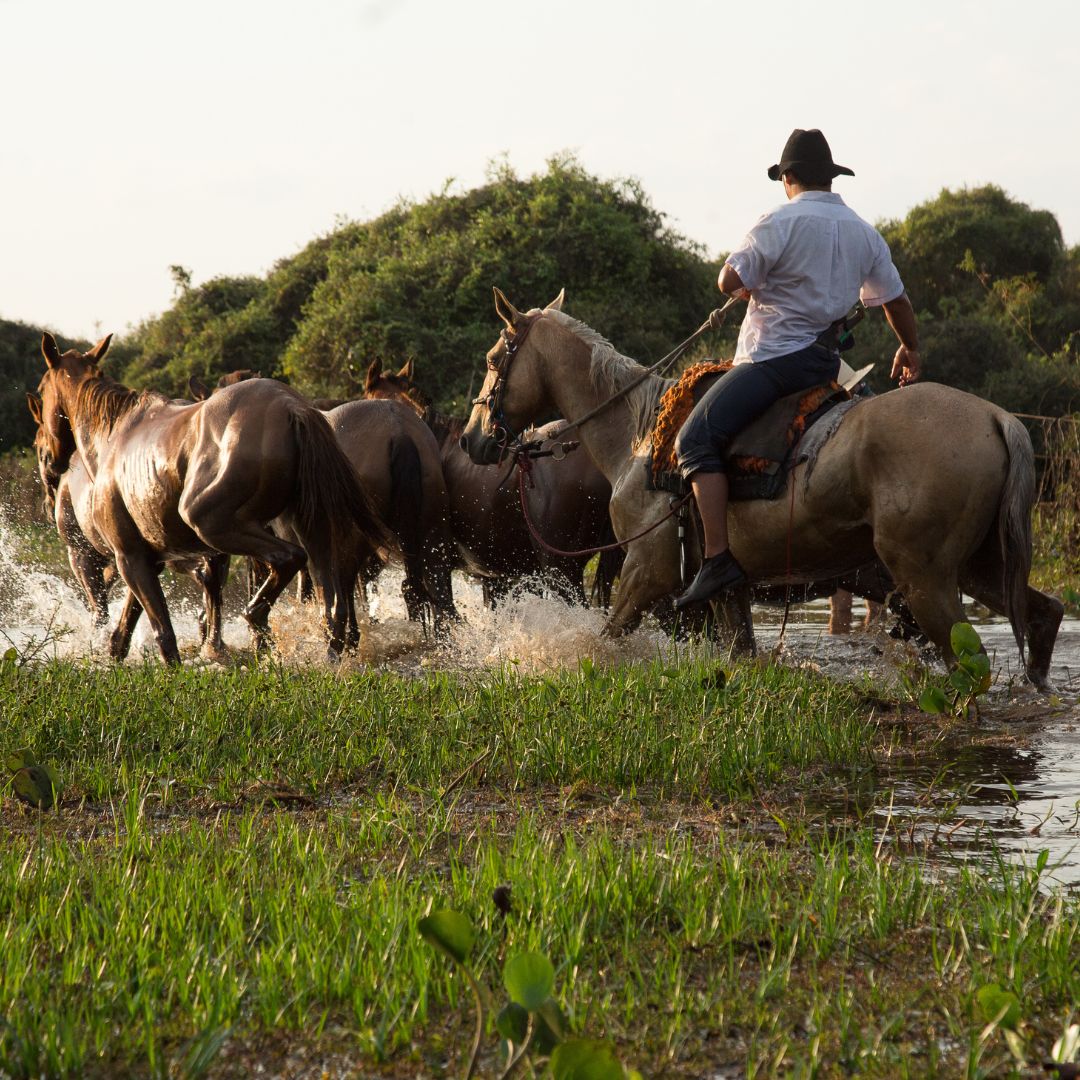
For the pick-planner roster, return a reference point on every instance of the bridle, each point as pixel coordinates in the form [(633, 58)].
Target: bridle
[(512, 338)]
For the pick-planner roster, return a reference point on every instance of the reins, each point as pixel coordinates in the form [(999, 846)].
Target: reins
[(524, 464), (523, 452)]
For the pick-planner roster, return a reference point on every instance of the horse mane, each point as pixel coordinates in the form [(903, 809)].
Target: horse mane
[(610, 372), (103, 402)]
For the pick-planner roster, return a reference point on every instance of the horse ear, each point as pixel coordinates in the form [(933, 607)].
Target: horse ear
[(198, 390), (34, 402), (557, 303), (50, 350), (373, 372), (97, 353), (505, 310), (406, 371)]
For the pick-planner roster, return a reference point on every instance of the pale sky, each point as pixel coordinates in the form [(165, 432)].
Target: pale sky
[(225, 134)]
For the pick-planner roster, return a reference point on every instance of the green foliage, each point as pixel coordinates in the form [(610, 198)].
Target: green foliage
[(34, 782), (21, 368), (417, 281), (531, 1022), (970, 678), (998, 297), (1004, 236)]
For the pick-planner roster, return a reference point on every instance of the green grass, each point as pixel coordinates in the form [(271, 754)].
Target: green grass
[(240, 859), (213, 733)]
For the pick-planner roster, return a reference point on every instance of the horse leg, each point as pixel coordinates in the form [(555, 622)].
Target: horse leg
[(1043, 616), (89, 566), (931, 591), (120, 639), (212, 573), (141, 574)]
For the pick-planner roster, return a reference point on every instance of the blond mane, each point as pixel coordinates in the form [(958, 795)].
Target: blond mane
[(610, 372)]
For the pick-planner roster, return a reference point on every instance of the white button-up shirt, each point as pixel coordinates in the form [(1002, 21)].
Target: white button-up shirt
[(805, 264)]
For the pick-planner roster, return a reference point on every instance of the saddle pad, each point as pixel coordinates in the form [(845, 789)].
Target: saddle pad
[(757, 453)]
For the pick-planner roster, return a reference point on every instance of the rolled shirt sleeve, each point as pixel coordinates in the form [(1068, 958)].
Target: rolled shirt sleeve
[(882, 283), (763, 245)]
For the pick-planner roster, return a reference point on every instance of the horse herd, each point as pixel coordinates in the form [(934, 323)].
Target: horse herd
[(138, 481)]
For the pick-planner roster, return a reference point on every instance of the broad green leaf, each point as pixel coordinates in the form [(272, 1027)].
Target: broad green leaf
[(961, 680), (998, 1006), (1042, 860), (977, 665), (20, 759), (449, 931), (512, 1023), (964, 639), (10, 657), (933, 700), (585, 1059), (551, 1026), (33, 786), (529, 978)]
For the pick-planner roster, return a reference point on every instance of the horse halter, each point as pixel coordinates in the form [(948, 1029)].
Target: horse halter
[(513, 339)]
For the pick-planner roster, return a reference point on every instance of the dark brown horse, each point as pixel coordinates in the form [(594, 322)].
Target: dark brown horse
[(174, 480), (936, 484), (567, 503), (396, 459), (69, 500)]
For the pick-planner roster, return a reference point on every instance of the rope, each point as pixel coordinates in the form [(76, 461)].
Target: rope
[(523, 471), (713, 322)]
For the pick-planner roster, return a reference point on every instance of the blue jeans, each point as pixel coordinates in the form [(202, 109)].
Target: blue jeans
[(740, 396)]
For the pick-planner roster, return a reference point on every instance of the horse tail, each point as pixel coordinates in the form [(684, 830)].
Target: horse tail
[(406, 518), (1014, 524), (329, 499)]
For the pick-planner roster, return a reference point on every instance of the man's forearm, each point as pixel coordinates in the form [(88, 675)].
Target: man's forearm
[(901, 317)]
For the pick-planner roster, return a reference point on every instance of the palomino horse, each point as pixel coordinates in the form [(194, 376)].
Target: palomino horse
[(69, 500), (567, 502), (176, 481), (935, 483)]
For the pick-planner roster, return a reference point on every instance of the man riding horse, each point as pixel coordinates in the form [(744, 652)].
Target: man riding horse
[(803, 266)]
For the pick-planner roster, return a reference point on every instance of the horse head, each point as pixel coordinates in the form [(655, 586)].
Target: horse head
[(379, 384), (514, 393), (64, 374), (46, 449)]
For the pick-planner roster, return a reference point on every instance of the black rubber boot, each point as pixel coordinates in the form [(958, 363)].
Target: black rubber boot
[(717, 574)]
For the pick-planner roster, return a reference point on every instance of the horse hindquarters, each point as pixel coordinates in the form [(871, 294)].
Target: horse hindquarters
[(998, 573), (331, 517)]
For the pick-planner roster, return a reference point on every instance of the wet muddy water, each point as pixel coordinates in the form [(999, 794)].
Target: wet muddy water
[(1007, 785)]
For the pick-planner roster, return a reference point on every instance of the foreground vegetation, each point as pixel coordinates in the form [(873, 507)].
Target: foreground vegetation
[(240, 859)]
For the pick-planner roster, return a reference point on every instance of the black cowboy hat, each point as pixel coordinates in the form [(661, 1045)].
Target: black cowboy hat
[(808, 154)]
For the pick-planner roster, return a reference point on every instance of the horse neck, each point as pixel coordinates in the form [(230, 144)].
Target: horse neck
[(96, 406), (567, 372)]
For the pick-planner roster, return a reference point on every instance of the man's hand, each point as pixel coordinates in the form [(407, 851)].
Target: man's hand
[(906, 365)]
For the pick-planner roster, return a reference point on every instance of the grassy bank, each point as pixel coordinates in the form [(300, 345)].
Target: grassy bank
[(240, 859)]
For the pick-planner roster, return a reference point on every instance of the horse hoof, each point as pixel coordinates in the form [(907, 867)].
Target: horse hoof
[(333, 657)]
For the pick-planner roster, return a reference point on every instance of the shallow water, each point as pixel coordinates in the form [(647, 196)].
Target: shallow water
[(1010, 784)]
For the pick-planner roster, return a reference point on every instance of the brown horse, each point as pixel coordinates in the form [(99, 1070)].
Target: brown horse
[(937, 484), (176, 481), (396, 457), (567, 502), (69, 500)]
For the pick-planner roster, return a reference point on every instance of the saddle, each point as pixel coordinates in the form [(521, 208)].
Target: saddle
[(761, 455)]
